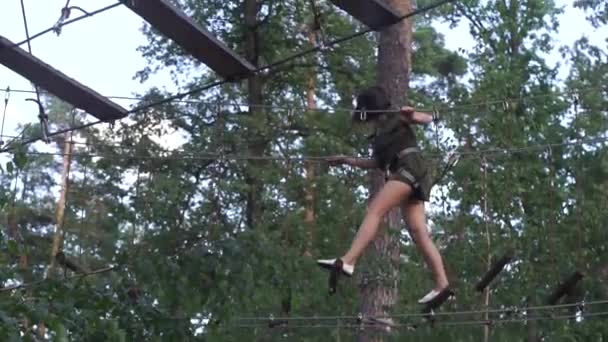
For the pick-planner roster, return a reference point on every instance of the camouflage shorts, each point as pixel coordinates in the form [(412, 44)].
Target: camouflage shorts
[(413, 170)]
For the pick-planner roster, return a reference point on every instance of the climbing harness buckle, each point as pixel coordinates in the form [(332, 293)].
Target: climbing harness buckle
[(363, 114)]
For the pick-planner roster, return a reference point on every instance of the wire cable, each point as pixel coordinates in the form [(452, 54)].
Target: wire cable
[(436, 109), (289, 58), (83, 126), (84, 16), (29, 44), (212, 84), (7, 96), (504, 310), (349, 37), (414, 326), (186, 155), (39, 282)]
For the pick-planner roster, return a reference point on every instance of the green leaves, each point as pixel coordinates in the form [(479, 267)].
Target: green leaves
[(176, 220), (598, 11)]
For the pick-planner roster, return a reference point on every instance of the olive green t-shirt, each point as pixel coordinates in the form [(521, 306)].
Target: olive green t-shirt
[(391, 136)]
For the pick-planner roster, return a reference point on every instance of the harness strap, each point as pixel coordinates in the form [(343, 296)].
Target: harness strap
[(403, 172), (407, 151), (407, 175)]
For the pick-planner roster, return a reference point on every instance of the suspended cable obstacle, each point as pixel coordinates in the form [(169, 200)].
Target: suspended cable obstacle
[(174, 24), (226, 63)]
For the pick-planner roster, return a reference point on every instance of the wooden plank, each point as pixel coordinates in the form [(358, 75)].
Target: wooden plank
[(375, 14), (198, 42), (57, 83), (436, 302), (494, 271), (567, 286)]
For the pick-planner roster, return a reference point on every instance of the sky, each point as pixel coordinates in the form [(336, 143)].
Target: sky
[(100, 52)]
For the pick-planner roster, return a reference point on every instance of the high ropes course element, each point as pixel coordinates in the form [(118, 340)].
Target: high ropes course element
[(412, 321), (207, 49), (490, 105), (174, 24)]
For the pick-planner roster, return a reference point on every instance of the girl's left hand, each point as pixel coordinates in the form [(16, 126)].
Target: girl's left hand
[(407, 114)]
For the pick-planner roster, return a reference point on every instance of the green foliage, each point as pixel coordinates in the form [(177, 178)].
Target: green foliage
[(598, 9), (175, 222)]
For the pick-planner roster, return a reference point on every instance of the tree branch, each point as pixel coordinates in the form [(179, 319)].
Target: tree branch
[(477, 24)]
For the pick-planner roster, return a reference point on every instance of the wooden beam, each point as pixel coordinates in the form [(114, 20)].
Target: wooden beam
[(73, 266), (375, 14), (494, 271), (566, 287), (441, 298), (57, 83), (198, 42)]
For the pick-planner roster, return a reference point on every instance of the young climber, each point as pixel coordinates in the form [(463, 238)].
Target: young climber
[(408, 183)]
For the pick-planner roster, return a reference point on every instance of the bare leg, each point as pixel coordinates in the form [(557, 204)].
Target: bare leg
[(415, 218), (388, 197)]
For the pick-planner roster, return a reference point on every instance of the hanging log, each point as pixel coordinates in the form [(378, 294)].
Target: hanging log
[(197, 41), (566, 287), (375, 14), (57, 83), (71, 265), (494, 271), (441, 298)]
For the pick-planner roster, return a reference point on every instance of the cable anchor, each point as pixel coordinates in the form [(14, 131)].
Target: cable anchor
[(44, 120)]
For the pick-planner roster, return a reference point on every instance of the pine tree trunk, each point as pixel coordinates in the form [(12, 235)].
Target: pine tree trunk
[(58, 237), (379, 290), (59, 218), (258, 141), (486, 297), (15, 235), (309, 198), (486, 304), (309, 192)]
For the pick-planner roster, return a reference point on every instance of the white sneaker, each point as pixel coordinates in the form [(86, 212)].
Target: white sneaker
[(429, 297), (329, 264)]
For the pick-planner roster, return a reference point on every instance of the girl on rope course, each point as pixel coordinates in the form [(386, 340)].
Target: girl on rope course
[(408, 185)]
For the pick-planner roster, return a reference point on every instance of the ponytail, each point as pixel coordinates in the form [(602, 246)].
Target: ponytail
[(370, 104)]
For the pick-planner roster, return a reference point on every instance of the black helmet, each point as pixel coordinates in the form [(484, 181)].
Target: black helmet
[(373, 99)]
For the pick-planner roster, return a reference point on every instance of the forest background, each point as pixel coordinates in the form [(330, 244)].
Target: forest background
[(224, 220)]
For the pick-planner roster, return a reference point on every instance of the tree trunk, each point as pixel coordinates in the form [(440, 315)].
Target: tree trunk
[(486, 299), (58, 237), (15, 235), (60, 214), (309, 213), (258, 142), (309, 192), (486, 304), (532, 331), (379, 291)]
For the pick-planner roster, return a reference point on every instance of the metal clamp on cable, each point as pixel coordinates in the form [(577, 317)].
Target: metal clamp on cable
[(44, 121), (363, 114), (65, 15), (435, 114)]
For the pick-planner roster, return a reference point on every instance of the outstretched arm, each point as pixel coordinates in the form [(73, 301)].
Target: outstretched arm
[(363, 163), (411, 116)]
